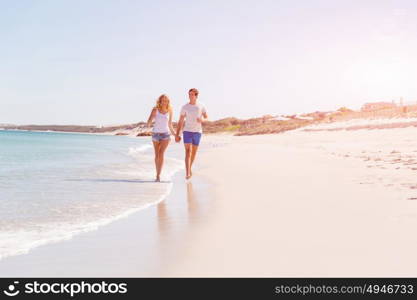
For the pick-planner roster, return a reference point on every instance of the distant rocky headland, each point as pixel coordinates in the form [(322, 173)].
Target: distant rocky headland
[(261, 125)]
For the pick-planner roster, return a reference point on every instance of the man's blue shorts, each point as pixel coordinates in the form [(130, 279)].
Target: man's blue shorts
[(191, 137)]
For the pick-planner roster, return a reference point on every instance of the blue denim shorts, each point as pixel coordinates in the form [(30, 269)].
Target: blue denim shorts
[(160, 136), (191, 137)]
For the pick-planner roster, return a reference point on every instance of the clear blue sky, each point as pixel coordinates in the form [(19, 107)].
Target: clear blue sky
[(106, 61)]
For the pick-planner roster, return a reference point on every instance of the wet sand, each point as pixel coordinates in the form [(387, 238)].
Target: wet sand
[(140, 245)]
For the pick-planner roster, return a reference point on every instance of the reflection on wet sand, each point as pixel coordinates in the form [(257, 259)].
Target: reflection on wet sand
[(178, 219), (192, 203), (170, 214), (162, 218)]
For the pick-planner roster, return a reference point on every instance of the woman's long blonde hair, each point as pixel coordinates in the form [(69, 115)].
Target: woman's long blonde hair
[(159, 106)]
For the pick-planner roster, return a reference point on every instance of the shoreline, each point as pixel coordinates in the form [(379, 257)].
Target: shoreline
[(296, 204), (22, 242), (57, 131), (140, 244)]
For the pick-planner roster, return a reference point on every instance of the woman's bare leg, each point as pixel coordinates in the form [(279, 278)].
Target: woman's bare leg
[(163, 145), (156, 146)]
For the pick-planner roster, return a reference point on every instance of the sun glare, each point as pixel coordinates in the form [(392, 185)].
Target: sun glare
[(382, 78)]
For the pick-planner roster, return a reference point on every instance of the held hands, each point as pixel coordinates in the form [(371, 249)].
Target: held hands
[(177, 138)]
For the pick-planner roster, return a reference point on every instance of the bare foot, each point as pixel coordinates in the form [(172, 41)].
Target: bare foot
[(157, 179)]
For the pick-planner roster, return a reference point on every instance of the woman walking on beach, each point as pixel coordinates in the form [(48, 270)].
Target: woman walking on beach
[(162, 114)]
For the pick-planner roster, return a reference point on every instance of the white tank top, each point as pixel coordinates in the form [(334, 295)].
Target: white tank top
[(161, 122)]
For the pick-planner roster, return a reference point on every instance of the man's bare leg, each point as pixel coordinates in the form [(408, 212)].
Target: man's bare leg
[(194, 149), (188, 151)]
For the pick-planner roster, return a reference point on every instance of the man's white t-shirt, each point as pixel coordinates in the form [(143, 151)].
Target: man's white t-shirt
[(191, 113)]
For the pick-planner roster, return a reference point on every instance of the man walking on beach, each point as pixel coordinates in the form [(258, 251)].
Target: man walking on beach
[(193, 113)]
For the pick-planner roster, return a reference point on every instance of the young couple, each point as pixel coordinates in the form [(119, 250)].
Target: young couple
[(191, 117)]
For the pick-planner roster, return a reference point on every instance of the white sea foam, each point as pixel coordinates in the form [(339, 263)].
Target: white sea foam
[(134, 151), (22, 241)]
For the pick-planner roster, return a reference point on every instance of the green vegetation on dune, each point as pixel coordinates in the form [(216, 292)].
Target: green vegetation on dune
[(232, 128)]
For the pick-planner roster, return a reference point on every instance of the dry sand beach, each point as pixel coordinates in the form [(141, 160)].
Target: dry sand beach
[(300, 203), (310, 204)]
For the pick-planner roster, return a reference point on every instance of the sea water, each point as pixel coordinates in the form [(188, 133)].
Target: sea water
[(55, 185)]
